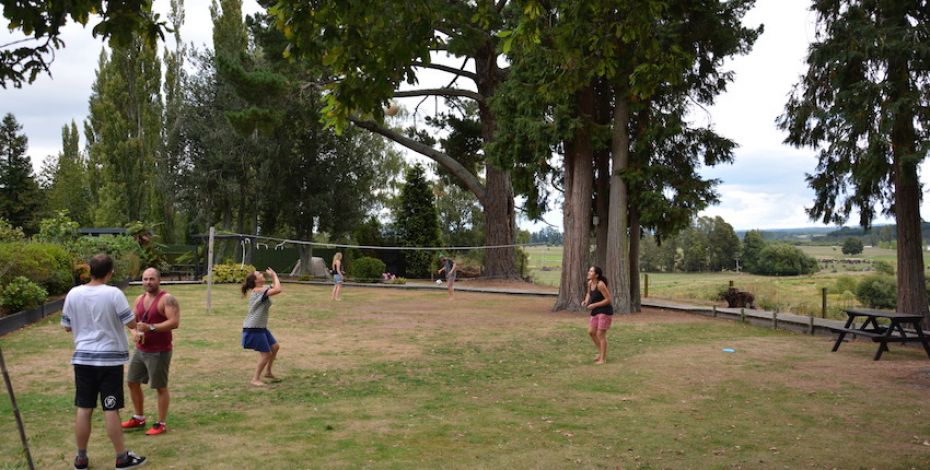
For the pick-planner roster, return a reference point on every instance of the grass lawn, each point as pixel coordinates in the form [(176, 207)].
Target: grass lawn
[(398, 379)]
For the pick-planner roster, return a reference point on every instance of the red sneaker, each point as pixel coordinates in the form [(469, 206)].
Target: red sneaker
[(133, 422), (156, 429)]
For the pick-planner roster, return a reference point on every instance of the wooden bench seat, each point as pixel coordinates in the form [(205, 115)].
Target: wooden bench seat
[(853, 331)]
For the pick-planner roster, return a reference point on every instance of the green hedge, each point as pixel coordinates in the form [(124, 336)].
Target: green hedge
[(21, 294), (46, 264), (231, 273), (781, 259), (878, 291), (125, 251), (367, 269)]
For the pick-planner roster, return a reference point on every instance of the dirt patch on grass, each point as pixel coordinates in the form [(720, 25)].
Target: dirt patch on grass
[(399, 326)]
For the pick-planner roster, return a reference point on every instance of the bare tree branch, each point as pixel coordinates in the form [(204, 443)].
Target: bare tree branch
[(500, 5), (440, 92), (471, 181), (445, 68)]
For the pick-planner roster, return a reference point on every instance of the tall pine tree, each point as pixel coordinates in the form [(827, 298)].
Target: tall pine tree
[(863, 105), (20, 196), (417, 221)]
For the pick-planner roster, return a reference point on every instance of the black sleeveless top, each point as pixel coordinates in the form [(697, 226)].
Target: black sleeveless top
[(596, 297)]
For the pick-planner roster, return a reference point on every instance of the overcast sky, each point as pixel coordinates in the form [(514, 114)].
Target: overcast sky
[(764, 188)]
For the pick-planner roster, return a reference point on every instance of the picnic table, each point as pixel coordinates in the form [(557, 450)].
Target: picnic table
[(892, 332)]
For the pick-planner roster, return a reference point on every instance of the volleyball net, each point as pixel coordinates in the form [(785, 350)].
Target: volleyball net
[(290, 256)]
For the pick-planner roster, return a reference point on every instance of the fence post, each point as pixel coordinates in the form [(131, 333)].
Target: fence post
[(742, 315), (731, 284), (646, 285), (812, 324), (775, 320), (715, 311), (823, 305)]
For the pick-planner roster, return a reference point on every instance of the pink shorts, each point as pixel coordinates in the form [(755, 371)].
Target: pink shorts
[(601, 321)]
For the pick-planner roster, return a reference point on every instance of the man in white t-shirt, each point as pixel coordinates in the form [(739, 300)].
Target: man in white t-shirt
[(95, 314)]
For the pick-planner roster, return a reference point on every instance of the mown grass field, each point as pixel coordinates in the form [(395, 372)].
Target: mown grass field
[(398, 379), (797, 294)]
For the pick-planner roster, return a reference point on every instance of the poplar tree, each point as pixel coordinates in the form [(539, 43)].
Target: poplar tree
[(67, 187), (863, 105), (124, 135), (168, 168)]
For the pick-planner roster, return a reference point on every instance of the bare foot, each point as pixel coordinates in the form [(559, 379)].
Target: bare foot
[(600, 361), (270, 376), (257, 383)]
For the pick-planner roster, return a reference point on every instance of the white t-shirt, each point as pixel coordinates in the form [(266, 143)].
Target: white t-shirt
[(97, 316)]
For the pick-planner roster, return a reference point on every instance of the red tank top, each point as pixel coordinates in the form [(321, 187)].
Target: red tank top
[(154, 342)]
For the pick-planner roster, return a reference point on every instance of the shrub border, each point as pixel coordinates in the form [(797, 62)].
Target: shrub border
[(14, 321)]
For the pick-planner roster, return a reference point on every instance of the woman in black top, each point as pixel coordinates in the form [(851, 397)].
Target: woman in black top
[(597, 300)]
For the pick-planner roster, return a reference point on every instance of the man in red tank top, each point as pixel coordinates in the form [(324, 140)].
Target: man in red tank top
[(157, 313)]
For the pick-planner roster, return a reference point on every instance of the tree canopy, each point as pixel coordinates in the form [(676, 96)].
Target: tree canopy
[(863, 105), (20, 196), (120, 21)]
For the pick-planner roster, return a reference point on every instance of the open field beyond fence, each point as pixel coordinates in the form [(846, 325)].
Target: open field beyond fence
[(796, 294), (410, 379)]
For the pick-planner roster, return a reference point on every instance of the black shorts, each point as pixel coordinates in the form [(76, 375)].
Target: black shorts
[(103, 381)]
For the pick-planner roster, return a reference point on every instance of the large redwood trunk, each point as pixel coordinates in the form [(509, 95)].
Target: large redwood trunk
[(576, 211), (499, 212), (305, 253), (617, 266), (602, 179), (912, 293), (500, 229), (601, 205), (635, 298)]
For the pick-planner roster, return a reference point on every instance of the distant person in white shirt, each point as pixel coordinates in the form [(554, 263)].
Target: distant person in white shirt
[(96, 314)]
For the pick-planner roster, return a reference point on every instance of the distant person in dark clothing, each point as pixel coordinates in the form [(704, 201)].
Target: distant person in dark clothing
[(450, 268)]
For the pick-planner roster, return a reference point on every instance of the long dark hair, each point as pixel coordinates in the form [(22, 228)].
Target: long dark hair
[(249, 283), (600, 274)]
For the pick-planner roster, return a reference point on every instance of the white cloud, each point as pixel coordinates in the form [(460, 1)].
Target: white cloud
[(749, 207), (51, 102)]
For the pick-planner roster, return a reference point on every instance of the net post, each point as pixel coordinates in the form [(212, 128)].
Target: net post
[(210, 270)]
